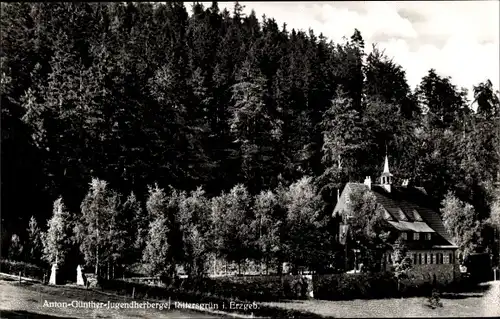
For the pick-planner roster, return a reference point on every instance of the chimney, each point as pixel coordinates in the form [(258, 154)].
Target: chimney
[(368, 182)]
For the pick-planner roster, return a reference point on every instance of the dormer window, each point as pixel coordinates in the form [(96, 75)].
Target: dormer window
[(387, 216), (402, 215), (417, 216)]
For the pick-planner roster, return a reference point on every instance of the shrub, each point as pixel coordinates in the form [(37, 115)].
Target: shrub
[(378, 285), (461, 285), (218, 291), (16, 248), (27, 270), (294, 287), (248, 288), (244, 288), (435, 299), (352, 286)]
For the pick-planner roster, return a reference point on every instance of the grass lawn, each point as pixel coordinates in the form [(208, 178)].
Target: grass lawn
[(484, 302), (27, 301)]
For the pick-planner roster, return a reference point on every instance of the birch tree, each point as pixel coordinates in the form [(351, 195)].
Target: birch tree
[(306, 239), (196, 231), (231, 216), (34, 244), (16, 248), (164, 247), (57, 240), (98, 208), (268, 225), (462, 223)]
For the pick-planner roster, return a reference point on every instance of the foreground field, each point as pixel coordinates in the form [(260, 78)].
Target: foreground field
[(484, 302), (27, 301)]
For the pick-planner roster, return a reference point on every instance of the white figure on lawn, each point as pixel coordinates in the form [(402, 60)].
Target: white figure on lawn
[(79, 276), (53, 280)]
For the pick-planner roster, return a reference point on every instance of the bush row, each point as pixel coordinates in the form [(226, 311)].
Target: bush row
[(355, 286), (27, 270), (202, 291), (379, 285), (275, 288), (244, 288)]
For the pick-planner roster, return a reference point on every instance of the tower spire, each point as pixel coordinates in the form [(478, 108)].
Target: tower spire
[(386, 165), (386, 177)]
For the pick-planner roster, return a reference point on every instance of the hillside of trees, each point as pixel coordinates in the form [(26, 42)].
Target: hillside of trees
[(148, 108)]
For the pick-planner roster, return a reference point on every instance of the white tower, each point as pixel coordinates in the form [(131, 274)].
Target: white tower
[(386, 177)]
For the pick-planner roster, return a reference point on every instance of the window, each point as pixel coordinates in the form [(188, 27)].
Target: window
[(428, 236), (405, 236), (425, 259), (451, 258), (432, 259), (414, 259), (439, 258), (416, 236)]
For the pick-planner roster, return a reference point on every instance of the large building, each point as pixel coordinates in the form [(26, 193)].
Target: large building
[(411, 212)]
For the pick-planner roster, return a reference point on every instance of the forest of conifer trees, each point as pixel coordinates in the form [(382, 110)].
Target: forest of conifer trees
[(189, 114)]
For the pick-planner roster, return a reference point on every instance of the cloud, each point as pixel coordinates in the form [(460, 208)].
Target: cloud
[(411, 15), (458, 38)]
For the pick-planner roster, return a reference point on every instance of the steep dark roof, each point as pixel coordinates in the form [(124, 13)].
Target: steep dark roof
[(408, 209)]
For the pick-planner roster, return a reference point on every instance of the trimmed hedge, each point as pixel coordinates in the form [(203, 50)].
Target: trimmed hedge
[(217, 291), (378, 285), (275, 288), (460, 285), (258, 288), (27, 270), (244, 288), (355, 286)]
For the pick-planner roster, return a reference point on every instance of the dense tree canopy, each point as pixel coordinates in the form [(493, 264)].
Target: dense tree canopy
[(143, 93)]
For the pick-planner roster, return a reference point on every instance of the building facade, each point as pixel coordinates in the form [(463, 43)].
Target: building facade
[(412, 214)]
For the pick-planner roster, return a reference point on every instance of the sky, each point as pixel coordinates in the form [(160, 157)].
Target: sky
[(459, 39)]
